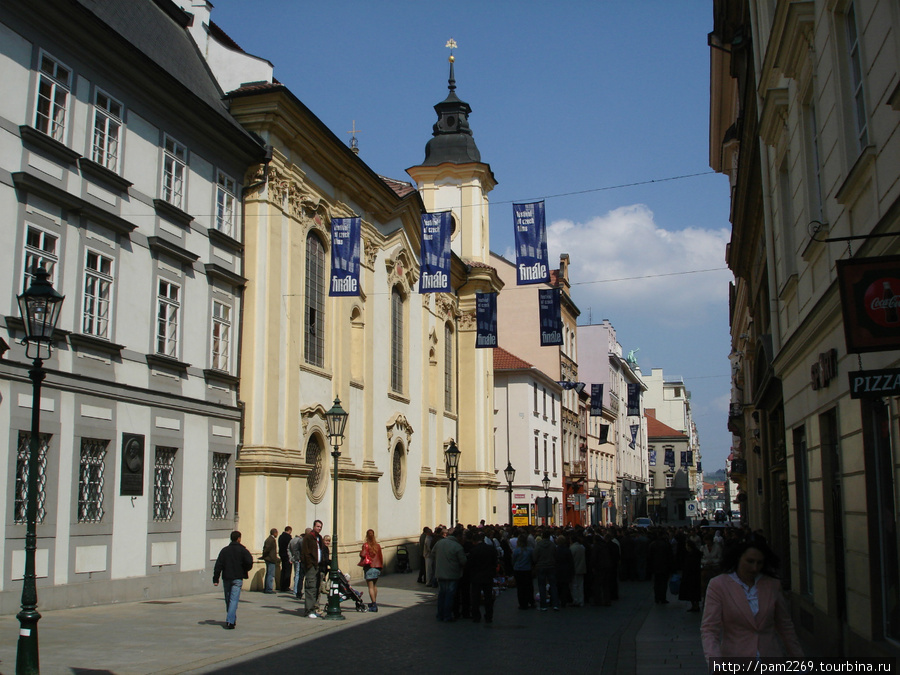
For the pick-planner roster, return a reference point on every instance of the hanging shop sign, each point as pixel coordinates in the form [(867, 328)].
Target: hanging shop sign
[(875, 383), (870, 303), (824, 370)]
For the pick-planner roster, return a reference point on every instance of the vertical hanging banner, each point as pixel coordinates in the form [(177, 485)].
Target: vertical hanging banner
[(634, 400), (634, 433), (690, 458), (670, 457), (344, 257), (596, 400), (684, 458), (551, 316), (532, 261), (435, 272), (653, 458), (485, 320)]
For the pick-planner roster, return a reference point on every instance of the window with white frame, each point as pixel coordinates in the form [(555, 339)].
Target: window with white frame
[(536, 453), (221, 336), (54, 85), (534, 385), (90, 480), (164, 484), (314, 336), (448, 368), (107, 130), (856, 78), (670, 480), (396, 340), (174, 166), (553, 454), (98, 281), (219, 486), (225, 201), (168, 311), (40, 251), (23, 454)]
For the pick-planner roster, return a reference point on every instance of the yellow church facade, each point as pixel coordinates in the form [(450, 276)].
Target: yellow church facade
[(403, 364)]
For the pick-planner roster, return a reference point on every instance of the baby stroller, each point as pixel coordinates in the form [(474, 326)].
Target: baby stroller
[(347, 592), (403, 560)]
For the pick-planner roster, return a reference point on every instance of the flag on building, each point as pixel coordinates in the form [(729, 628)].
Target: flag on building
[(345, 242), (532, 261), (435, 252)]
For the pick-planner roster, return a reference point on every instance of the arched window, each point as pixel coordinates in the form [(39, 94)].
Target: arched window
[(398, 470), (448, 368), (314, 327), (315, 480), (396, 341)]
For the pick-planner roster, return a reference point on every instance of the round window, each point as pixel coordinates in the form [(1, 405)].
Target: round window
[(315, 481)]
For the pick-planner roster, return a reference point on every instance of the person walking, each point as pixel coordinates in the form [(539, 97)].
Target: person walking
[(482, 566), (579, 569), (545, 564), (284, 540), (294, 552), (659, 561), (711, 553), (426, 532), (430, 541), (522, 565), (746, 614), (449, 561), (270, 557), (233, 565), (371, 560), (565, 570), (690, 575), (311, 558)]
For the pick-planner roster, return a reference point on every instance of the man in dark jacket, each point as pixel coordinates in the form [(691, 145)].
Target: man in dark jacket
[(232, 565), (283, 540), (659, 561), (270, 557), (311, 559), (482, 566)]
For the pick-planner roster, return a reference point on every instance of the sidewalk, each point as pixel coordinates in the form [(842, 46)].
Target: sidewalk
[(186, 635)]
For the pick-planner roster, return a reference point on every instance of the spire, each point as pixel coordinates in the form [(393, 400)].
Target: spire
[(452, 138)]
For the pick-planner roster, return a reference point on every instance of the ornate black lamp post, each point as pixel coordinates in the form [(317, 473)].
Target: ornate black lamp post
[(39, 305), (451, 455), (336, 419), (545, 481), (510, 473)]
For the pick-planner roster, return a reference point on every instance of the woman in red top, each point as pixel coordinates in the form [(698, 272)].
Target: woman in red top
[(371, 561)]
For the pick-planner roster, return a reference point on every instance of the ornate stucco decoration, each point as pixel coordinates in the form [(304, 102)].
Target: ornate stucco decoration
[(446, 305), (400, 269), (312, 413), (466, 320), (369, 252), (400, 425)]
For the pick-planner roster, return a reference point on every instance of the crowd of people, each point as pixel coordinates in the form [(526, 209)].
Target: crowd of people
[(729, 571)]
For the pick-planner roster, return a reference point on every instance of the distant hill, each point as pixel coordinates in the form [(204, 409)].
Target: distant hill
[(715, 476)]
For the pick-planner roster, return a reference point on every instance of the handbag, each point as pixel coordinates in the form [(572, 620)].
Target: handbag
[(675, 584), (366, 559)]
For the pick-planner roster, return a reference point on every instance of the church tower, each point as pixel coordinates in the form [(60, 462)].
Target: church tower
[(453, 178)]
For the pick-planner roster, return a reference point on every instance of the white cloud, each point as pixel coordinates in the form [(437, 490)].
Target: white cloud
[(626, 252)]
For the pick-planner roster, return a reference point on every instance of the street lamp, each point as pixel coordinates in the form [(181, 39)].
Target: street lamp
[(510, 474), (545, 481), (336, 420), (451, 455), (39, 305)]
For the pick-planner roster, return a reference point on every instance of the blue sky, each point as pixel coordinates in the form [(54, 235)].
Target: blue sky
[(571, 101)]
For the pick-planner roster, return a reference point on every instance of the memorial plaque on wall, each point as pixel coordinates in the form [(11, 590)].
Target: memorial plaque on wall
[(132, 465)]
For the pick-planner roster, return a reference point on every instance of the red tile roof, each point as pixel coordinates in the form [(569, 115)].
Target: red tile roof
[(503, 360), (401, 188), (655, 428)]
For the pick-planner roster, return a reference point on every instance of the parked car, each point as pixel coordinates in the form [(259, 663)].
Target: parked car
[(643, 522)]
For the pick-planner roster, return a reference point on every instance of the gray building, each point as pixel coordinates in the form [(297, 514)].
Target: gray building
[(120, 173)]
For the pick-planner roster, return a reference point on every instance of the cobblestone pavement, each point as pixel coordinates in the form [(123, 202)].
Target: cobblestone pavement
[(186, 635)]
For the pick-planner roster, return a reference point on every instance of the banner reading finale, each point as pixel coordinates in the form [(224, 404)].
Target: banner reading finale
[(532, 261), (344, 257), (596, 400), (436, 229), (634, 400), (485, 320), (551, 316)]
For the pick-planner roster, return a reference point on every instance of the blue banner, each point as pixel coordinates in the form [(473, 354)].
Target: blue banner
[(485, 320), (670, 457), (551, 316), (596, 400), (435, 271), (532, 261), (345, 243), (653, 458), (684, 458), (690, 458), (634, 400), (634, 433)]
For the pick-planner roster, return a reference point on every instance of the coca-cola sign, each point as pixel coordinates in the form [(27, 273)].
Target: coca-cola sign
[(870, 302)]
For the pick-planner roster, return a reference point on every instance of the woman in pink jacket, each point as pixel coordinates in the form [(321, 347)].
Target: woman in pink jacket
[(746, 614)]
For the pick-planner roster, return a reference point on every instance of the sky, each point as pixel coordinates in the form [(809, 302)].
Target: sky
[(598, 107)]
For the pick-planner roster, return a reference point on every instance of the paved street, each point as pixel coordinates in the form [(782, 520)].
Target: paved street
[(186, 635)]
